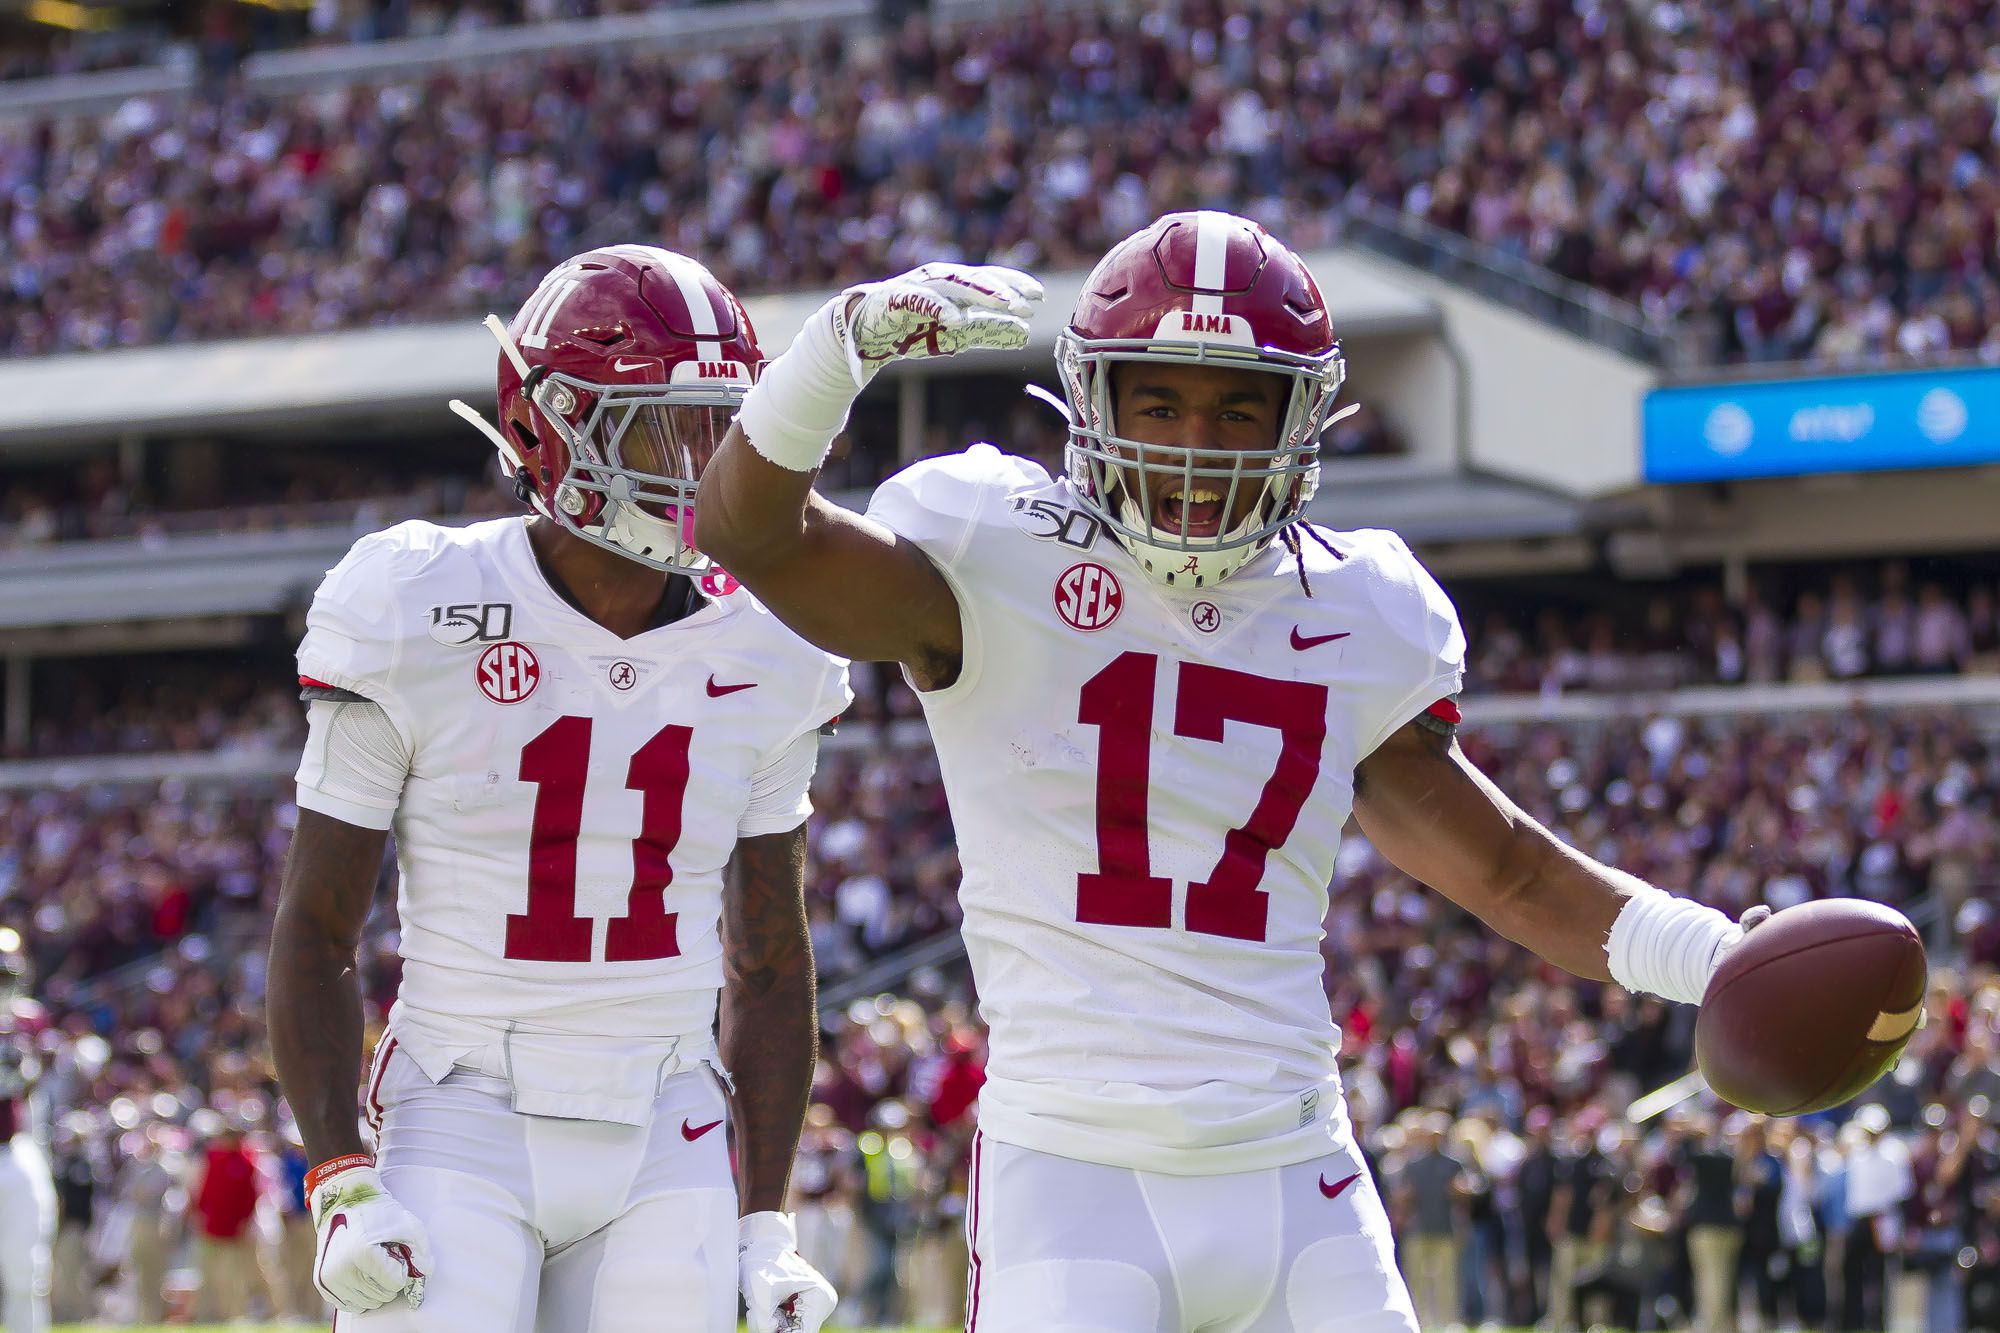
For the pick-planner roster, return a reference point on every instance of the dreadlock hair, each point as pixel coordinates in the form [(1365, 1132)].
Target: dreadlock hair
[(1290, 537)]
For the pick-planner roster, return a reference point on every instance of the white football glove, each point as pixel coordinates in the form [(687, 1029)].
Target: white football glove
[(781, 1291), (371, 1249), (934, 310), (800, 402)]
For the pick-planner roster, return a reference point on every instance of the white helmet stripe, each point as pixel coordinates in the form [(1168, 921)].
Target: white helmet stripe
[(687, 276), (541, 310), (1211, 259)]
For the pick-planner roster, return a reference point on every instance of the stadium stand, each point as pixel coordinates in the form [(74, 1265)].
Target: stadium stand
[(1750, 692), (1832, 199), (144, 907)]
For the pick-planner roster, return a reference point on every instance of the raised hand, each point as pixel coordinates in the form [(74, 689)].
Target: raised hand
[(936, 309)]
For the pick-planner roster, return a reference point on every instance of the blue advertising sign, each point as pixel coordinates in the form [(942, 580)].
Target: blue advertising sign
[(1829, 423)]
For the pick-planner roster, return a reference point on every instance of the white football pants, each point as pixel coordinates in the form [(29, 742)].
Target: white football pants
[(27, 1234), (543, 1225), (1063, 1246)]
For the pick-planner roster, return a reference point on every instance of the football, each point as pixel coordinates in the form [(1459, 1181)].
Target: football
[(1812, 1007)]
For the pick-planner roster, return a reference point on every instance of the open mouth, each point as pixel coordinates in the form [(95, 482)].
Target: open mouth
[(1189, 512)]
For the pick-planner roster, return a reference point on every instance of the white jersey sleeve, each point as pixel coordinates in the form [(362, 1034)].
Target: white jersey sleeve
[(354, 764), (352, 641), (940, 504), (935, 503), (781, 790), (1422, 658), (356, 755)]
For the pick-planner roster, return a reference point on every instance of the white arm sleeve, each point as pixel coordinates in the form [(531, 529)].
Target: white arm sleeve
[(354, 763), (781, 791)]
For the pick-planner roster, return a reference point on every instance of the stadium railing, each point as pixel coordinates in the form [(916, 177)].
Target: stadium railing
[(891, 972), (754, 23), (723, 27), (1516, 282)]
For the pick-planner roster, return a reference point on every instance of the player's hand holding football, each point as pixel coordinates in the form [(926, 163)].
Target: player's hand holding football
[(800, 401), (781, 1291), (1746, 923), (371, 1249)]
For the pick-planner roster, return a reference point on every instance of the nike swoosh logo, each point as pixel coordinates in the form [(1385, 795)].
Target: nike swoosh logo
[(333, 1227), (1338, 1187), (717, 691), (622, 366), (1303, 642), (693, 1132)]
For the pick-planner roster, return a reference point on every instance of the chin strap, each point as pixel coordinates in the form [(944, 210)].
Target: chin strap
[(510, 458), (507, 345), (511, 466), (1060, 405)]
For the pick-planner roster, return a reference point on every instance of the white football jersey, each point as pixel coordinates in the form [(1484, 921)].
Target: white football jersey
[(572, 797), (1149, 786)]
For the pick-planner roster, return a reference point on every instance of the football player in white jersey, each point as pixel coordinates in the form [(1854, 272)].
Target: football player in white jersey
[(1157, 695), (576, 728)]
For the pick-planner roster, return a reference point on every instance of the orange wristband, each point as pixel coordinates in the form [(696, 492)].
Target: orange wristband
[(332, 1167)]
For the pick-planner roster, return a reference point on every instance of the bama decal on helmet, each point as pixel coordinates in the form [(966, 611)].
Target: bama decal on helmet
[(540, 312), (1205, 327)]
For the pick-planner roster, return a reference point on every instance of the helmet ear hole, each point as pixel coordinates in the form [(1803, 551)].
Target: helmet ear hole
[(523, 434)]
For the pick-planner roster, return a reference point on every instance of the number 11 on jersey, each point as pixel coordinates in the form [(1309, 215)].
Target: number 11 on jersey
[(558, 761), (1119, 701)]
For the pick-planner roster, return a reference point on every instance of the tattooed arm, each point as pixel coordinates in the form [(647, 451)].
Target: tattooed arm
[(314, 1004), (770, 1021)]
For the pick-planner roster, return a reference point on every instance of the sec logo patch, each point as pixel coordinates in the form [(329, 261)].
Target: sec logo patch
[(718, 582), (1088, 597), (508, 672)]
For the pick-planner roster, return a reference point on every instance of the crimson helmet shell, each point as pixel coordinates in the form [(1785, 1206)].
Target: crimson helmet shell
[(1198, 288), (616, 379)]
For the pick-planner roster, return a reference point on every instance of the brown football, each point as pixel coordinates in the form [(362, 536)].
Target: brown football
[(1812, 1007)]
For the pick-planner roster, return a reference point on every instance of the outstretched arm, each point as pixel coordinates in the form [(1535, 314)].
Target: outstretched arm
[(1439, 820), (770, 1022), (848, 584)]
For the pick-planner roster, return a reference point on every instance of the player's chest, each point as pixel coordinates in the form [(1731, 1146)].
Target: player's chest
[(518, 717), (1087, 633)]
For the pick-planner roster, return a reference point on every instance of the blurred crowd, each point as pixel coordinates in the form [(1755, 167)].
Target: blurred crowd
[(144, 910), (92, 503), (197, 707), (1779, 182), (1521, 1194), (1838, 626), (1805, 625), (218, 34)]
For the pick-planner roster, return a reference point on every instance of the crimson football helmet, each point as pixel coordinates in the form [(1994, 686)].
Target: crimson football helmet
[(1203, 288), (618, 379)]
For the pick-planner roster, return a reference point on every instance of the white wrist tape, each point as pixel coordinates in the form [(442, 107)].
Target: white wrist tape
[(774, 1229), (1667, 946), (800, 402)]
